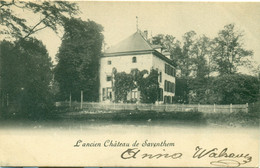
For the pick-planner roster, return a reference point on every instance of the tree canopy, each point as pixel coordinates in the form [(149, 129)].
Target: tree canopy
[(25, 65), (228, 50), (202, 61), (26, 75), (46, 14), (236, 88), (78, 59)]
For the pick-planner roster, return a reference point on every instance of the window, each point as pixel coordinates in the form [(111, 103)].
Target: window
[(134, 60), (134, 95), (109, 78), (109, 62), (169, 86), (109, 93), (160, 76), (169, 70)]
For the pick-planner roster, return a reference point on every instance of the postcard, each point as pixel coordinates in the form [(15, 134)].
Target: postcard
[(129, 84)]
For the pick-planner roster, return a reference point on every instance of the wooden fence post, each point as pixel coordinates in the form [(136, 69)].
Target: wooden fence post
[(81, 99), (231, 108), (246, 107)]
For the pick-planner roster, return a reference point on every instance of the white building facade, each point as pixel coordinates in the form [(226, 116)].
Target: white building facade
[(135, 52)]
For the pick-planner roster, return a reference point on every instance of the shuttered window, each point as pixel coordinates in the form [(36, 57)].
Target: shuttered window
[(169, 70)]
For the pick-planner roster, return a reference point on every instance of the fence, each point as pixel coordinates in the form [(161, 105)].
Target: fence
[(158, 107)]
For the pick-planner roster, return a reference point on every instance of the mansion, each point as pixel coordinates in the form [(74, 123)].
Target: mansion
[(135, 52)]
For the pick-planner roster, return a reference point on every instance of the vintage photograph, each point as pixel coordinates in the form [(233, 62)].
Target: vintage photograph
[(129, 84)]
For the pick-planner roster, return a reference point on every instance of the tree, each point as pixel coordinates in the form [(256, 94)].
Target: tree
[(9, 67), (200, 57), (145, 82), (49, 14), (235, 88), (78, 59), (181, 54), (182, 90), (172, 45), (185, 59), (198, 81), (37, 76), (228, 49), (158, 40), (149, 87), (124, 83), (26, 75)]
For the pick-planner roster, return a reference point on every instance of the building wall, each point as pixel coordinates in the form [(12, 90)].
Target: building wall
[(122, 64), (160, 65), (125, 64)]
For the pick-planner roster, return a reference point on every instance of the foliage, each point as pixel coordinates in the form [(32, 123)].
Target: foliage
[(47, 14), (182, 90), (228, 51), (236, 89), (226, 89), (166, 41), (197, 58), (149, 87), (146, 83), (124, 83), (185, 59), (26, 75), (190, 56), (199, 91), (172, 45), (78, 59), (200, 55)]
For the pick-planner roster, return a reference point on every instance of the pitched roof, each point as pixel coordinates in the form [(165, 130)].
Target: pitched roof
[(135, 42)]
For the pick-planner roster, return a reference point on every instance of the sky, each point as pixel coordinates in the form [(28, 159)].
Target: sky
[(174, 18)]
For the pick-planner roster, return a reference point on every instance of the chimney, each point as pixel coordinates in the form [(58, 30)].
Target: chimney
[(146, 34)]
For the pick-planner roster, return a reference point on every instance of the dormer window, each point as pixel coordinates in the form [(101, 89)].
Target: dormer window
[(134, 60), (109, 62)]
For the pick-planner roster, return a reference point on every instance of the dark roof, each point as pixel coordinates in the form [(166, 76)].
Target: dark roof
[(135, 42), (135, 45)]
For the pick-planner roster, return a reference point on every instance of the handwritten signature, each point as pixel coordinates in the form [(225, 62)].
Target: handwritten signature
[(227, 159), (132, 153), (224, 157)]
